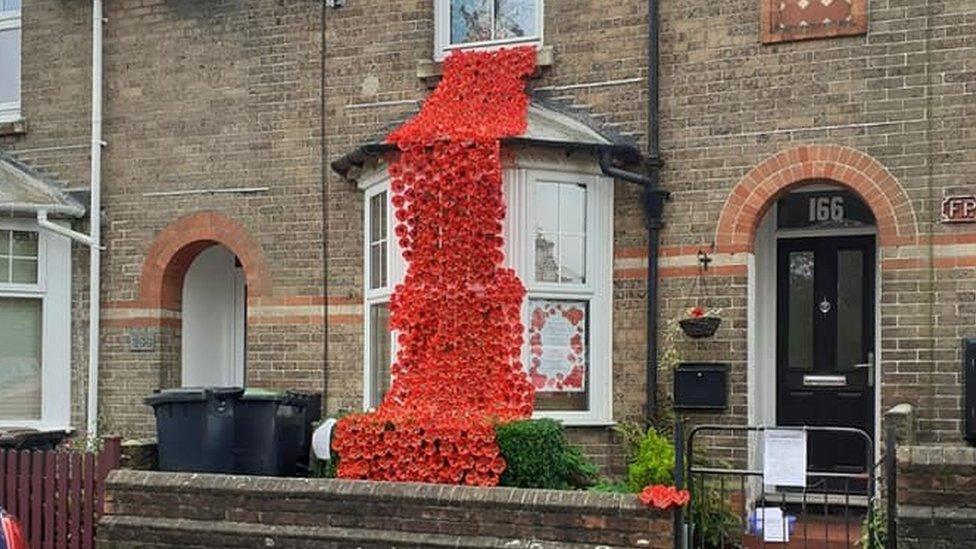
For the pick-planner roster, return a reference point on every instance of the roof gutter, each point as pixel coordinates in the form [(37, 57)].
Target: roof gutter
[(45, 223)]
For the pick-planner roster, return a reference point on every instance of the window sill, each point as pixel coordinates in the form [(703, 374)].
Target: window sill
[(575, 419), (17, 126), (430, 71)]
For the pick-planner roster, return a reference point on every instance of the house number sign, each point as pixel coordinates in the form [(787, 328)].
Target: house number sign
[(959, 209), (808, 210)]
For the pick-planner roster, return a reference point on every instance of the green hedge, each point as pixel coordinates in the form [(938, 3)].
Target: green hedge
[(539, 456)]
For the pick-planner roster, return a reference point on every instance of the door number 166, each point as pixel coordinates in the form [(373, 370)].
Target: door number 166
[(826, 208)]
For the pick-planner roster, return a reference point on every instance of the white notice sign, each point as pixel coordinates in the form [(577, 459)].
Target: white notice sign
[(774, 526), (785, 457)]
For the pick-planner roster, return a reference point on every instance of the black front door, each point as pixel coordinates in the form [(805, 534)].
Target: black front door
[(825, 344)]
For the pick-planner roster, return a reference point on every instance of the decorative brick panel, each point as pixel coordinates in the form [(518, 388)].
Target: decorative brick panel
[(787, 20)]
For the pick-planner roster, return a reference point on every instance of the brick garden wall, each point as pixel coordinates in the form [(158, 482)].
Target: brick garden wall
[(160, 510), (936, 507)]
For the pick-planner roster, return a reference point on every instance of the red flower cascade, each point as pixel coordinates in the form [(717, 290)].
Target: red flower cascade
[(458, 366)]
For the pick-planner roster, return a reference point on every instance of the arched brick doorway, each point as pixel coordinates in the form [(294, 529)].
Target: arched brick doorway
[(748, 227), (203, 244), (755, 193)]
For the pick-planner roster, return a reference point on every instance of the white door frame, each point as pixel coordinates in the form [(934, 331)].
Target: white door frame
[(761, 326)]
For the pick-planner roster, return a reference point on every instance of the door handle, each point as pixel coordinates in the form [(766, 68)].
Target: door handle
[(870, 367)]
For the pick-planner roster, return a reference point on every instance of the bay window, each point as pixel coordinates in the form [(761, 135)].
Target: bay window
[(486, 23), (35, 312), (558, 238), (10, 53)]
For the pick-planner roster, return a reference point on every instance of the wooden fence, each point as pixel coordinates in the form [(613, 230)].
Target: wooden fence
[(58, 496)]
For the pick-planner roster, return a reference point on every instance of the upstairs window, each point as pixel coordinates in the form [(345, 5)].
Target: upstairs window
[(486, 23), (9, 60)]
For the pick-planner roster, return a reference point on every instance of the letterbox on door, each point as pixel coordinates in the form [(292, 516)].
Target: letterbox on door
[(969, 388), (701, 386)]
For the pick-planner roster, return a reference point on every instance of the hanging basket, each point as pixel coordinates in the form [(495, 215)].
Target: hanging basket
[(704, 326)]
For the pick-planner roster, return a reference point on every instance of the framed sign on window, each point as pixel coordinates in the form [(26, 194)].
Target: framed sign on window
[(557, 345)]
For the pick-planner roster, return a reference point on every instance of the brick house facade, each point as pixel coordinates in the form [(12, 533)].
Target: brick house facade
[(222, 120)]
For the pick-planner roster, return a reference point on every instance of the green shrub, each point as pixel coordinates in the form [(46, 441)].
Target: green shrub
[(716, 523), (650, 457), (539, 456)]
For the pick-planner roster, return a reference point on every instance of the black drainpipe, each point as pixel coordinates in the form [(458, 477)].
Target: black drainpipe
[(653, 199)]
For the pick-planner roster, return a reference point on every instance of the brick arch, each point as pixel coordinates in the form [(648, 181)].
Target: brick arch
[(755, 193), (175, 247)]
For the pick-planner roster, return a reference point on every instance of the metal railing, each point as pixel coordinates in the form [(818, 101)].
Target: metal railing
[(727, 502)]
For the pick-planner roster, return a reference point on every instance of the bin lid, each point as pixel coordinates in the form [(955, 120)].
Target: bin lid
[(265, 394), (191, 394)]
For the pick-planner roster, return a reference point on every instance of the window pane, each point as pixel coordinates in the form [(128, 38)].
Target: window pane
[(377, 241), (572, 260), (10, 65), (377, 217), (4, 269), (11, 4), (546, 258), (572, 209), (547, 207), (24, 271), (801, 309), (25, 243), (20, 359), (379, 351), (850, 309), (560, 239), (516, 18), (4, 242), (470, 21), (377, 265), (559, 353)]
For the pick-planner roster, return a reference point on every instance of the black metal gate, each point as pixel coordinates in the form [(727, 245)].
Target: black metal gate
[(834, 510)]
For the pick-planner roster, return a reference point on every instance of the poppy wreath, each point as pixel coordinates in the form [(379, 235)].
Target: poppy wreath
[(458, 311), (659, 496)]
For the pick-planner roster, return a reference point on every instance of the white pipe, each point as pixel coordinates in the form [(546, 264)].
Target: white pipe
[(43, 222), (95, 220)]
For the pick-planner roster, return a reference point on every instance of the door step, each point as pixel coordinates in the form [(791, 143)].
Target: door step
[(815, 533)]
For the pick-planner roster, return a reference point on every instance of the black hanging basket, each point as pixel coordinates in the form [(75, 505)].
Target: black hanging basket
[(704, 326)]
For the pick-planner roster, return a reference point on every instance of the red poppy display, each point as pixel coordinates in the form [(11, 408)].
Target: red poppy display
[(458, 311), (663, 497)]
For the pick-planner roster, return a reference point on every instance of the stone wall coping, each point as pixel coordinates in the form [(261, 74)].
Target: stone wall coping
[(941, 513), (443, 494), (937, 456)]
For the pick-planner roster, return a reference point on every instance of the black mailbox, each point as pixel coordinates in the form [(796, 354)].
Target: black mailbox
[(969, 388), (701, 386)]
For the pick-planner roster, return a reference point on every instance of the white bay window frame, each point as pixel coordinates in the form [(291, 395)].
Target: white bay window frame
[(10, 21), (395, 267), (519, 180), (597, 288), (442, 32), (53, 289)]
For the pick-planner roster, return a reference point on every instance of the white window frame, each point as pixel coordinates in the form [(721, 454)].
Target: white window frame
[(378, 183), (53, 288), (519, 181), (442, 33), (11, 19), (519, 248)]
